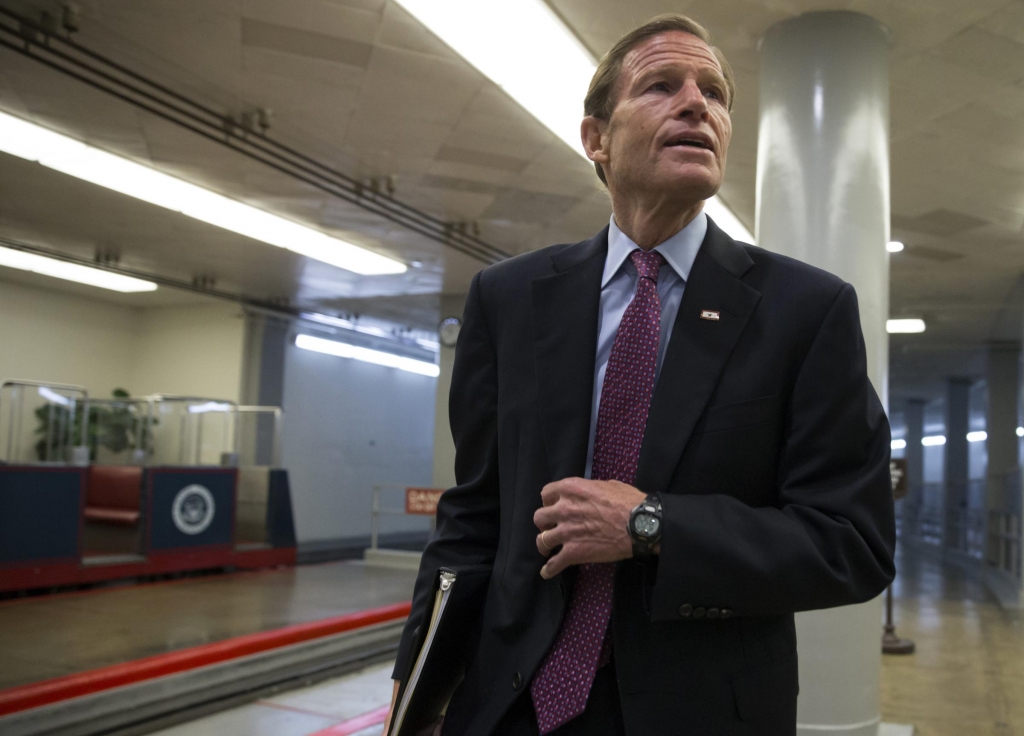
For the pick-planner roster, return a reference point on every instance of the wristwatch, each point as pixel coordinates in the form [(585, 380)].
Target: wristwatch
[(645, 525)]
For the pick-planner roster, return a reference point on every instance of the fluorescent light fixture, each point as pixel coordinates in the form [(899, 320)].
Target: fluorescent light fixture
[(345, 350), (894, 246), (56, 151), (524, 48), (326, 319), (208, 407), (980, 436), (934, 440), (50, 395), (58, 269), (898, 444), (894, 326)]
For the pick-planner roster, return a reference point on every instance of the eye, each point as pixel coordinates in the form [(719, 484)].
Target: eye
[(658, 87), (713, 93)]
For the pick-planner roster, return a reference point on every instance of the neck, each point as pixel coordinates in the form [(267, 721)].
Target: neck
[(650, 223)]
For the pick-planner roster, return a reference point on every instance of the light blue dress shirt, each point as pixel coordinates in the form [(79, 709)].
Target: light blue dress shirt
[(618, 287)]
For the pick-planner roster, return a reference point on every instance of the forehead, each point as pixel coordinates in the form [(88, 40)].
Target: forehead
[(669, 48)]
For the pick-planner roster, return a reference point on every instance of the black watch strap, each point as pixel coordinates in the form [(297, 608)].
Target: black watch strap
[(643, 546)]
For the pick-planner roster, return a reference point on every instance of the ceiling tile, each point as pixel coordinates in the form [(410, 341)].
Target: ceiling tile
[(258, 34), (996, 57), (481, 158)]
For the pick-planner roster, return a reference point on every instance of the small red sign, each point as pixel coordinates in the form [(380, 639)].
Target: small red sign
[(422, 500)]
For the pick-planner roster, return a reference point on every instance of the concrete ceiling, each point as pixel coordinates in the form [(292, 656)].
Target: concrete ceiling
[(360, 85)]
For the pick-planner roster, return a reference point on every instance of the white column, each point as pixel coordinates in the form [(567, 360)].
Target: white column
[(1003, 496), (955, 473), (823, 197), (913, 504), (444, 446)]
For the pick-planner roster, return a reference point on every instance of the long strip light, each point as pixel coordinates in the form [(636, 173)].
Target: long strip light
[(524, 48), (378, 357), (326, 319), (57, 151), (936, 440), (904, 326), (24, 261)]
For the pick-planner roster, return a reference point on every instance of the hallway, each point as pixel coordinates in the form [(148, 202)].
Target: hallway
[(966, 677)]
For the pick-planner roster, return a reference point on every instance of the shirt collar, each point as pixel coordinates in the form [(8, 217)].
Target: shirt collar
[(679, 251)]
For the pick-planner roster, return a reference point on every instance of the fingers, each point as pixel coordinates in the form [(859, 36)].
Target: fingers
[(546, 518), (557, 563), (549, 540), (550, 493)]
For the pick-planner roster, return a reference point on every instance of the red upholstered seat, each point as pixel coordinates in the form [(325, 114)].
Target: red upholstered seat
[(113, 495)]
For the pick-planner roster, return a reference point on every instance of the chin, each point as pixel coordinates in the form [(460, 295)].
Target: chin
[(692, 187)]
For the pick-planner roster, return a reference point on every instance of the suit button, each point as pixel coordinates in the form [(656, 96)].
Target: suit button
[(517, 681), (713, 613), (698, 612), (726, 613), (685, 610)]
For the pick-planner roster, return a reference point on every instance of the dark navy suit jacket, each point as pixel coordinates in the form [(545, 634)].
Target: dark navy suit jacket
[(765, 438)]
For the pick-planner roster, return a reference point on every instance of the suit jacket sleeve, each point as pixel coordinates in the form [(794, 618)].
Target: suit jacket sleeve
[(468, 514), (830, 539)]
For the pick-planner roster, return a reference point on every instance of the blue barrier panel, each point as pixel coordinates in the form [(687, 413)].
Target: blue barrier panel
[(280, 522), (190, 507), (40, 513)]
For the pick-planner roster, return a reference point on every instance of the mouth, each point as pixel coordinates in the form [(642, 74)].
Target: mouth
[(690, 140)]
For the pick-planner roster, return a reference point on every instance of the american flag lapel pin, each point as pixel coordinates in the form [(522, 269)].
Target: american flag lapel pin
[(712, 315)]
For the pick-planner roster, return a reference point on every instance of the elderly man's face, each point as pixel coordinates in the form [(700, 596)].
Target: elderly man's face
[(669, 132)]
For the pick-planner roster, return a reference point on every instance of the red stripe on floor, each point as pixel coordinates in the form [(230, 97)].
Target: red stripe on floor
[(353, 725), (45, 692)]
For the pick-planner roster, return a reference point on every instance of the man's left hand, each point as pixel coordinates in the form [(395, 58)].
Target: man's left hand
[(588, 519)]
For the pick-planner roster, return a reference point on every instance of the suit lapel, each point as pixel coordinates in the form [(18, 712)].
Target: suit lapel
[(565, 320), (697, 353)]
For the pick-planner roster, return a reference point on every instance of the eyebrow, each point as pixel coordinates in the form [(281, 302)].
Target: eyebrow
[(716, 76)]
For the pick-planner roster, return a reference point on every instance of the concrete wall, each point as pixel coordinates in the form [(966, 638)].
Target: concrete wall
[(48, 335), (190, 351), (349, 426), (51, 335)]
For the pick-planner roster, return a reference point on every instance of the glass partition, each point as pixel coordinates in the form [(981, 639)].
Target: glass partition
[(119, 430), (42, 422), (258, 435), (190, 430)]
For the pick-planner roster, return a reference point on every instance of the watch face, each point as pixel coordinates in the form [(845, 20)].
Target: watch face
[(646, 525), (448, 331)]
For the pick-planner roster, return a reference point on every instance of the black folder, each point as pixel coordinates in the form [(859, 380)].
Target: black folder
[(441, 644)]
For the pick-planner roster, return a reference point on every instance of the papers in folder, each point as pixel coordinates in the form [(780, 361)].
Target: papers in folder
[(441, 662)]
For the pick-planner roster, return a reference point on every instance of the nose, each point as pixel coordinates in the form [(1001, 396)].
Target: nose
[(691, 101)]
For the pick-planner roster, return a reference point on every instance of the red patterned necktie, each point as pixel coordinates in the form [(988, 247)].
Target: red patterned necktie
[(563, 682)]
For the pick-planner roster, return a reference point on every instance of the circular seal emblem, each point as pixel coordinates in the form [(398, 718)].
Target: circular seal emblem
[(193, 508)]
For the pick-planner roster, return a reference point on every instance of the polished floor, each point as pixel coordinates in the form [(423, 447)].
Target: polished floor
[(966, 677), (353, 705), (50, 636)]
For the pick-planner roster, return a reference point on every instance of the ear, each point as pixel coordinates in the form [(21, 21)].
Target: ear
[(594, 136)]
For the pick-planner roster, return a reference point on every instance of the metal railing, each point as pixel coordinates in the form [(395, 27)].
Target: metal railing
[(1003, 549), (1004, 543), (376, 511), (926, 515)]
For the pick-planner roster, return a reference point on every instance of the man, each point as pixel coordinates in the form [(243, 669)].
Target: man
[(667, 443)]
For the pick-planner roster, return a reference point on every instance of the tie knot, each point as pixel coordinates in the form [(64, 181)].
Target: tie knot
[(647, 263)]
